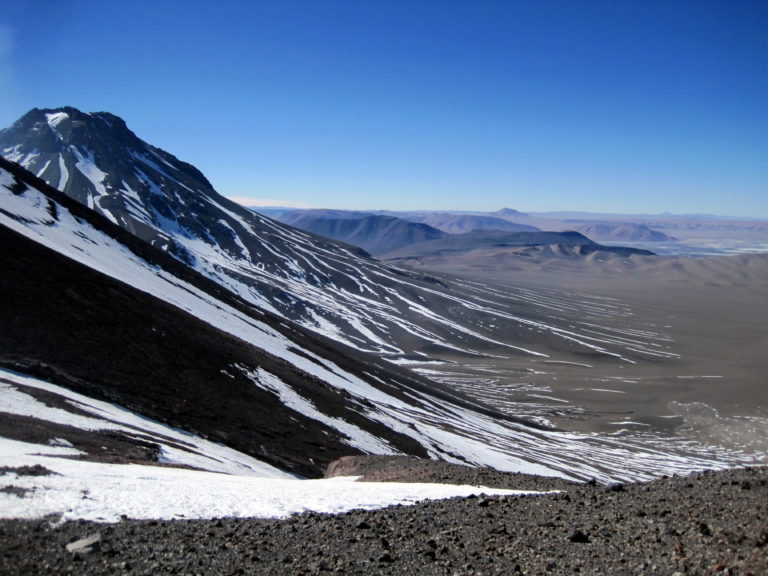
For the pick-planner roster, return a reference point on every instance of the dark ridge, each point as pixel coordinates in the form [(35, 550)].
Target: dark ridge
[(576, 243), (375, 234)]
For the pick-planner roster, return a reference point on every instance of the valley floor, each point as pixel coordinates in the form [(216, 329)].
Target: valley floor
[(708, 523), (711, 311)]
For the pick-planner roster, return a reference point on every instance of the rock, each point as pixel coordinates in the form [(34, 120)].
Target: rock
[(344, 466), (36, 470), (579, 536), (762, 539), (85, 545), (60, 442)]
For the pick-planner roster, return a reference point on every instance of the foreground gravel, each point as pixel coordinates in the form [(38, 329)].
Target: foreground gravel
[(709, 523)]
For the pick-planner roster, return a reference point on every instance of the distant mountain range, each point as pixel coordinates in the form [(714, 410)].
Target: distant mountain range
[(418, 235), (672, 234)]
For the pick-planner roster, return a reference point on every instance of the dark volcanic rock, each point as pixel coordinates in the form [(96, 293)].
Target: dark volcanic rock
[(405, 469), (36, 470), (95, 159), (579, 537)]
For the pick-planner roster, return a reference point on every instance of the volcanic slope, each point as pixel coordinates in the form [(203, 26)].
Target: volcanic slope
[(115, 319), (332, 289)]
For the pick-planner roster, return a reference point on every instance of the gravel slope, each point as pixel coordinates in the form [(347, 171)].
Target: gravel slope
[(709, 523)]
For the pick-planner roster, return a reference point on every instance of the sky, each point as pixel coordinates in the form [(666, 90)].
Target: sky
[(602, 106)]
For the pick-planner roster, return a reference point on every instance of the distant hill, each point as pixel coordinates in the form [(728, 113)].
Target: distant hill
[(292, 216), (463, 223), (373, 233), (622, 232), (567, 244)]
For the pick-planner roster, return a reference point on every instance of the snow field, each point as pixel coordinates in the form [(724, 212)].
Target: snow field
[(107, 492)]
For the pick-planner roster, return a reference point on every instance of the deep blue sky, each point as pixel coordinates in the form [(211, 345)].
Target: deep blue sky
[(600, 106)]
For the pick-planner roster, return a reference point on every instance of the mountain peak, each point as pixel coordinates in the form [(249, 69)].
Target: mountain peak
[(57, 128), (54, 117), (97, 160)]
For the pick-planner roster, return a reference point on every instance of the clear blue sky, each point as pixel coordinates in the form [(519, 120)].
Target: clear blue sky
[(611, 106)]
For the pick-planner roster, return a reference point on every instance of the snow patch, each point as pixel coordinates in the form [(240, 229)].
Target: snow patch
[(88, 167), (56, 118), (63, 173), (106, 492)]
